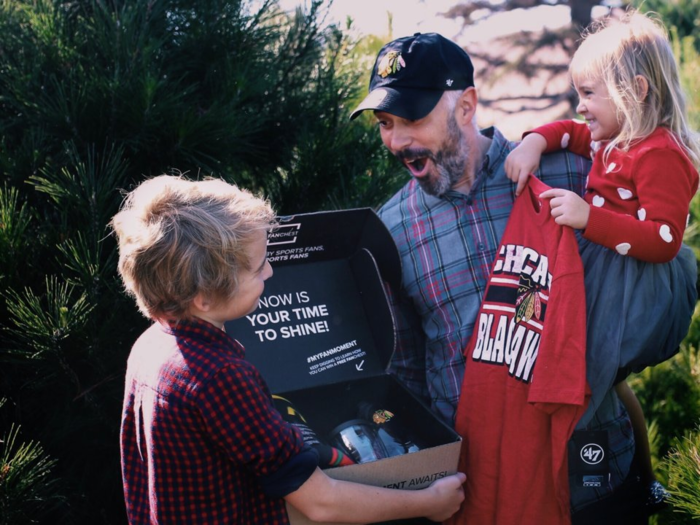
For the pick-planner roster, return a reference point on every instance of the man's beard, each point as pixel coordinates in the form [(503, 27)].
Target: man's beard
[(449, 161)]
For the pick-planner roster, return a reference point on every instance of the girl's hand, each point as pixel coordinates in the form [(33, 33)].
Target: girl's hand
[(525, 159), (568, 209)]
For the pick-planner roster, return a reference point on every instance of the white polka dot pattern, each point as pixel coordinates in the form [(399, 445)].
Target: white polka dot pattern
[(665, 233), (625, 194), (623, 248)]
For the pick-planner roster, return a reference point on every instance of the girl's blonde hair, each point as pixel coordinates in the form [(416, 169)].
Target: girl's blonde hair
[(178, 238), (617, 52)]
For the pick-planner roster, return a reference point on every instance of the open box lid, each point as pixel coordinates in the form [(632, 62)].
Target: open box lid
[(326, 235), (324, 316)]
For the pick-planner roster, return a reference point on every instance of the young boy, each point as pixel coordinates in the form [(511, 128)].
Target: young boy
[(201, 441)]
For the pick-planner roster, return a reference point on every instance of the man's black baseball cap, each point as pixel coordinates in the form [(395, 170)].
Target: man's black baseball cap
[(411, 74)]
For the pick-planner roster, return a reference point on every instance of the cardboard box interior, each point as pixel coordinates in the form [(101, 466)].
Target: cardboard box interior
[(323, 335), (326, 407)]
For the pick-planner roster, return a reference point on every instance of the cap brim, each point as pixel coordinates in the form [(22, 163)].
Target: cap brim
[(412, 104)]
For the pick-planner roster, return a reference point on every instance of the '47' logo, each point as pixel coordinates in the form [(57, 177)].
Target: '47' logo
[(592, 453)]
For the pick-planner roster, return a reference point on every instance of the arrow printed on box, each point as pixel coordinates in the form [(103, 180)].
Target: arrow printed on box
[(359, 367)]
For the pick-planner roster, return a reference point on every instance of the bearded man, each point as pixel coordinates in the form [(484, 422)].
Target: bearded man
[(447, 222)]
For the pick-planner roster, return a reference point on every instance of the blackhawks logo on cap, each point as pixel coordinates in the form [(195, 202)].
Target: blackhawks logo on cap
[(391, 63)]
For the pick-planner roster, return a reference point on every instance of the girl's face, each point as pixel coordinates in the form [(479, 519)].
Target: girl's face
[(597, 107)]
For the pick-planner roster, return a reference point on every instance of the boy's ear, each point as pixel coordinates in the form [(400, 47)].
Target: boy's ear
[(201, 302), (642, 87), (466, 106)]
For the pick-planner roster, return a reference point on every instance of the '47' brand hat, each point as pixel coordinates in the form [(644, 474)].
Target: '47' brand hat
[(411, 74)]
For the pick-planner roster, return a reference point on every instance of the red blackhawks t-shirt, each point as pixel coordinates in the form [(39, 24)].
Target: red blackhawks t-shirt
[(524, 385)]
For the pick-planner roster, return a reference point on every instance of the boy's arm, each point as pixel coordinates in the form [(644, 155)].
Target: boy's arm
[(324, 499)]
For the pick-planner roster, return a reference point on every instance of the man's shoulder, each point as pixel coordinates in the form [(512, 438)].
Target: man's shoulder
[(391, 211), (565, 160), (564, 169)]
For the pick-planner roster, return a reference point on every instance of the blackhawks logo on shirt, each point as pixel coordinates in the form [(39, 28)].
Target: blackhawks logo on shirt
[(527, 302)]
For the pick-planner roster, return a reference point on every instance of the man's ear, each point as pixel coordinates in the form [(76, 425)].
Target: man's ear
[(642, 87), (466, 106)]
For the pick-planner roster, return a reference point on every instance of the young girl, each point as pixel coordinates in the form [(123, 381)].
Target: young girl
[(640, 278)]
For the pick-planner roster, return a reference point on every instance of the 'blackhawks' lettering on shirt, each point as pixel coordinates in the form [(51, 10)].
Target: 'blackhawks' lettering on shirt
[(509, 328)]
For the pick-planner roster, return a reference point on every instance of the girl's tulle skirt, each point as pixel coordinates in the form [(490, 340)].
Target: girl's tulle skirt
[(638, 313)]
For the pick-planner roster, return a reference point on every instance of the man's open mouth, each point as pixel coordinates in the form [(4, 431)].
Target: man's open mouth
[(416, 165), (416, 160)]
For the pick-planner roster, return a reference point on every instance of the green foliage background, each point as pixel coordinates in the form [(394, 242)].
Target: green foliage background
[(97, 95)]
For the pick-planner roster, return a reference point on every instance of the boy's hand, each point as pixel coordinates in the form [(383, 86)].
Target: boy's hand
[(568, 209), (449, 495), (525, 159)]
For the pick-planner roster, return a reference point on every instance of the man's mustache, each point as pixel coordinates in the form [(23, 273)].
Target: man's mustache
[(411, 154)]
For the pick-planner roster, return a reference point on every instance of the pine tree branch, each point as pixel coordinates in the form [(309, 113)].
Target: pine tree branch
[(107, 379)]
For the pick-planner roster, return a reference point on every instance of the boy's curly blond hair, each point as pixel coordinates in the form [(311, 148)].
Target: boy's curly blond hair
[(178, 238)]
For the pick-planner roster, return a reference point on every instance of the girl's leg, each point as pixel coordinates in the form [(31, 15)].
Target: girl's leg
[(634, 409), (657, 495)]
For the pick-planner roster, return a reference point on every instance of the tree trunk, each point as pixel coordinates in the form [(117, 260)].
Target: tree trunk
[(581, 12)]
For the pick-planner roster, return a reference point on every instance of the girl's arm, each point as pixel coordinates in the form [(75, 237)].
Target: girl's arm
[(525, 158), (573, 135), (325, 499)]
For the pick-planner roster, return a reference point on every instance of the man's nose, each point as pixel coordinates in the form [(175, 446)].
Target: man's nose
[(400, 139), (581, 107)]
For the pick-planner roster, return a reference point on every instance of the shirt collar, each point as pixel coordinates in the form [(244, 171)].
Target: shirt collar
[(497, 152), (204, 333)]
